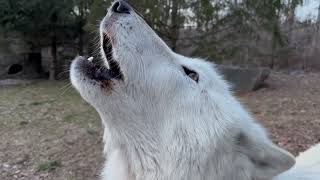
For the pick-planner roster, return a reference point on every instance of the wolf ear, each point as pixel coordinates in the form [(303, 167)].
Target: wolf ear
[(267, 159)]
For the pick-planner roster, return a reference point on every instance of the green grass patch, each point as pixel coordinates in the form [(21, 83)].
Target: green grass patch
[(23, 123), (82, 118), (92, 132), (42, 102), (49, 166), (71, 118)]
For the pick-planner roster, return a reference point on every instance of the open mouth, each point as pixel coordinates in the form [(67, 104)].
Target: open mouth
[(115, 71), (97, 70)]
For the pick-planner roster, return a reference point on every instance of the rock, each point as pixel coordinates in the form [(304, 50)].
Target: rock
[(245, 79), (21, 66)]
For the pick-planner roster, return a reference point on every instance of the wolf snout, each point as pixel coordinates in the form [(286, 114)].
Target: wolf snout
[(121, 7)]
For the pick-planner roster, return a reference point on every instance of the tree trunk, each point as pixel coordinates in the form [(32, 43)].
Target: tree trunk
[(80, 41), (81, 23), (318, 20), (175, 24), (291, 19), (271, 66), (54, 62), (273, 49), (315, 38)]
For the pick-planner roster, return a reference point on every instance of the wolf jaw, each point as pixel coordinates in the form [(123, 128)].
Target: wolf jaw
[(170, 117)]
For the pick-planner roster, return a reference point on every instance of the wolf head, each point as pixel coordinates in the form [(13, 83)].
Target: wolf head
[(171, 106)]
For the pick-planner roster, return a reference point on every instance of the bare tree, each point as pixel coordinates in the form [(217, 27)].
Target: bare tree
[(318, 20), (292, 6), (174, 24)]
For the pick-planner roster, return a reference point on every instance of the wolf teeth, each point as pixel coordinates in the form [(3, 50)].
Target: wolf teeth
[(90, 59)]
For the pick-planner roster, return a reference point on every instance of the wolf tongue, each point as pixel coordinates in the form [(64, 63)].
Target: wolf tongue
[(102, 74)]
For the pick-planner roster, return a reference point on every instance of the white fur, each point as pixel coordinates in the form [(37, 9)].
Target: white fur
[(162, 125)]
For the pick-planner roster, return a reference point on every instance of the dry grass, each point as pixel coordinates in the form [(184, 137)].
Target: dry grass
[(46, 135), (290, 109)]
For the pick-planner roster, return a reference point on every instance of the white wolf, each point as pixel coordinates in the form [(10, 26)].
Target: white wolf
[(169, 117)]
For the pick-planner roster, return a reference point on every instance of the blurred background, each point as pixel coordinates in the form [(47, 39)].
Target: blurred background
[(269, 50)]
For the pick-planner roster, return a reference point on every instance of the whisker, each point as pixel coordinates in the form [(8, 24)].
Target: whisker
[(67, 83), (66, 90)]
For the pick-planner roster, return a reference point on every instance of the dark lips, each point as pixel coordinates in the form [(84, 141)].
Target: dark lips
[(94, 71)]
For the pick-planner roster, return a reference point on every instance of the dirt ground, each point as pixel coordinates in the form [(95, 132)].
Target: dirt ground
[(290, 109), (48, 132)]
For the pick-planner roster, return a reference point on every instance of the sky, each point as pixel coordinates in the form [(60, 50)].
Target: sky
[(309, 10)]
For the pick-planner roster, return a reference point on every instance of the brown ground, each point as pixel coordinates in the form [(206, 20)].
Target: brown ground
[(290, 109), (48, 134)]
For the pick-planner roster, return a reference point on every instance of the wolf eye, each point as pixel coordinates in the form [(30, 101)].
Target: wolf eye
[(192, 74)]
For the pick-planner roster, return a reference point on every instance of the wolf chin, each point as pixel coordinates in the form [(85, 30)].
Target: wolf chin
[(170, 117)]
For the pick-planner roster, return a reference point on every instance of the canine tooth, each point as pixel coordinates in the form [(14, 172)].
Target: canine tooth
[(90, 59)]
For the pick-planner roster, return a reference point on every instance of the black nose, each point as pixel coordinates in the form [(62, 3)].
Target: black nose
[(121, 7)]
